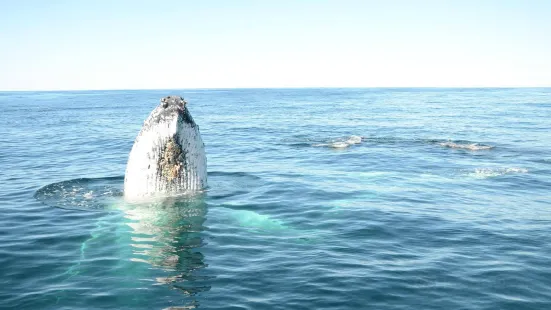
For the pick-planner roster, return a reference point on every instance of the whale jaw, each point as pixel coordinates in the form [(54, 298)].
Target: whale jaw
[(168, 156)]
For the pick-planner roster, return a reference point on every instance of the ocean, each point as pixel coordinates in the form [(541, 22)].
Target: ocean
[(317, 199)]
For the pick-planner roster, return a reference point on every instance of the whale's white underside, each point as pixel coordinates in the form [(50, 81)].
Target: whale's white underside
[(168, 156)]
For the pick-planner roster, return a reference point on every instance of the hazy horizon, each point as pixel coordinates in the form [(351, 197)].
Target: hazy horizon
[(273, 88), (126, 45)]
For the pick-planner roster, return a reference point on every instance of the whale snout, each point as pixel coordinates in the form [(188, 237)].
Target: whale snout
[(173, 101)]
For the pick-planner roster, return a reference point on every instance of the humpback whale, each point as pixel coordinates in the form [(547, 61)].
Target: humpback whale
[(168, 155)]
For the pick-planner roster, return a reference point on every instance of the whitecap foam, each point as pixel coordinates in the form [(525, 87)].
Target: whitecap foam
[(466, 146), (341, 143), (354, 140), (88, 195), (483, 173)]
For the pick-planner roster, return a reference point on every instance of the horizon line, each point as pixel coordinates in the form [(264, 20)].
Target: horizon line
[(288, 87)]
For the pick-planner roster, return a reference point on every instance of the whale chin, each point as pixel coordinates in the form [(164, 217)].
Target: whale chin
[(168, 157)]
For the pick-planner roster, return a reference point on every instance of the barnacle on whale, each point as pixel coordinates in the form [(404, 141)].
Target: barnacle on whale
[(170, 164)]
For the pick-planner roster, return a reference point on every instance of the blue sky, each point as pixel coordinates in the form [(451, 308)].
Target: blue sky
[(61, 45)]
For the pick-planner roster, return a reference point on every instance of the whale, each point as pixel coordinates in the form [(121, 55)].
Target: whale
[(168, 156)]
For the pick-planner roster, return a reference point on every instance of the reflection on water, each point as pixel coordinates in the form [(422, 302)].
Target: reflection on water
[(167, 235), (144, 248)]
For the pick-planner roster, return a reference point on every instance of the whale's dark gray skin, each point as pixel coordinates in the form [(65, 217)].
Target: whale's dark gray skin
[(168, 157)]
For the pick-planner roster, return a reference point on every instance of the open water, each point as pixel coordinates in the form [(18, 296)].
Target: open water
[(318, 199)]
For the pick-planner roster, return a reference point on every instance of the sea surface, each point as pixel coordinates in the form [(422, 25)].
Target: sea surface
[(317, 199)]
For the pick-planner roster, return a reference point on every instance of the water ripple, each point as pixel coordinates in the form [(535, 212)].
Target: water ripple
[(318, 198)]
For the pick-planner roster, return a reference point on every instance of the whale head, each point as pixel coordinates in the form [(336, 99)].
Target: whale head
[(168, 156)]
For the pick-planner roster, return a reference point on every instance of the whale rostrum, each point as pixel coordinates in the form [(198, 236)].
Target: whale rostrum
[(168, 156)]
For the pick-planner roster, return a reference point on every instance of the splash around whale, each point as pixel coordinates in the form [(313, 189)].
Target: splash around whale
[(168, 156)]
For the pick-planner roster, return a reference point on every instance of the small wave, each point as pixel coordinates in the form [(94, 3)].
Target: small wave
[(347, 141), (101, 193), (466, 146), (341, 143), (224, 185), (354, 140), (483, 173)]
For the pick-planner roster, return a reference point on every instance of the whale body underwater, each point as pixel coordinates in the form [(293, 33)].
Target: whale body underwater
[(168, 156)]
